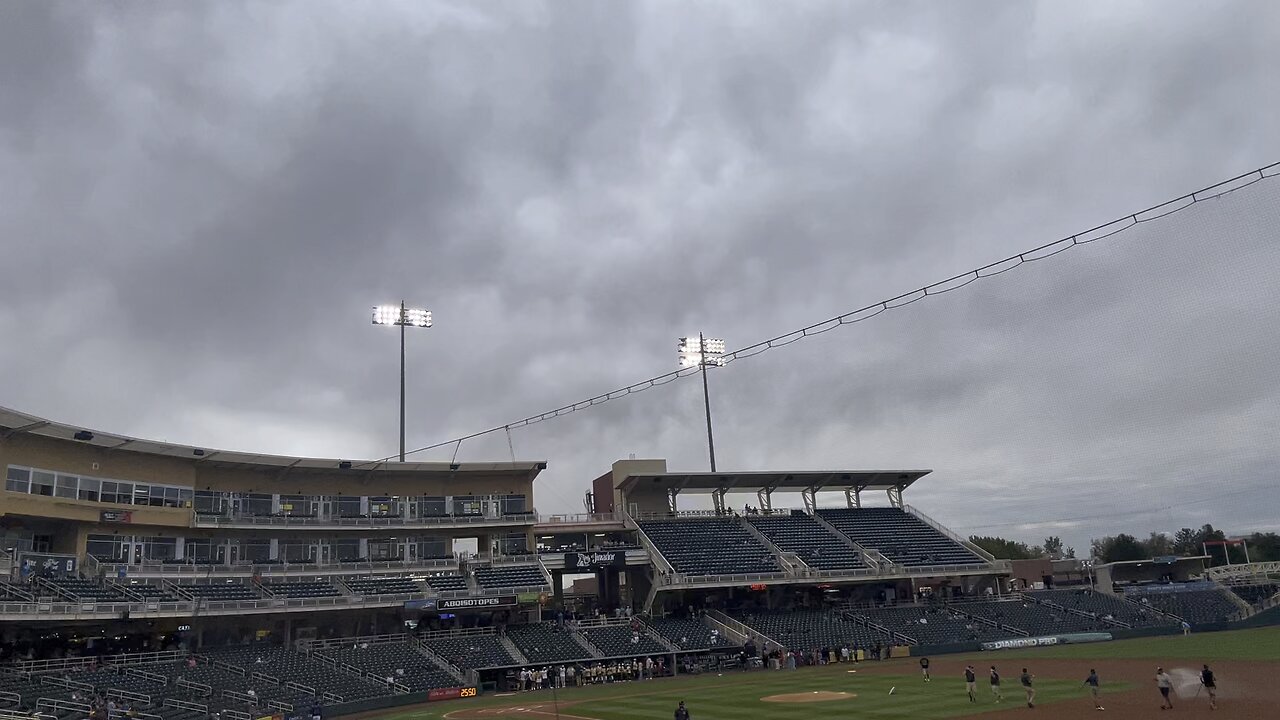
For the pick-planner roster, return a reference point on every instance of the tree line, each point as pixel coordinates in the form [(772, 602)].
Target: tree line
[(1115, 548)]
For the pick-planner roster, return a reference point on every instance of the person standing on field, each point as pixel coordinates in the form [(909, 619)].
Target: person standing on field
[(1165, 683), (682, 713), (1211, 686), (924, 668), (1092, 682), (1027, 680), (970, 683), (995, 684)]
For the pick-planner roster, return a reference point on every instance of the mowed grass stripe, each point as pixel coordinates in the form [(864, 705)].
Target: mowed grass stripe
[(1261, 644)]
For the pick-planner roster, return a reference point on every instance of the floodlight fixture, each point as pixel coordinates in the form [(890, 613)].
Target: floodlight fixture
[(695, 351), (701, 352), (401, 316)]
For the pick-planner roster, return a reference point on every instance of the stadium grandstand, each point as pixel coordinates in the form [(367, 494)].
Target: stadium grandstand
[(188, 581)]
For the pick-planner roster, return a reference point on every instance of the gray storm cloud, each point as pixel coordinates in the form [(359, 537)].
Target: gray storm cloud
[(200, 202)]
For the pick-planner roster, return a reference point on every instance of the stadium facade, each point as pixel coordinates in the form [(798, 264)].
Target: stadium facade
[(340, 581)]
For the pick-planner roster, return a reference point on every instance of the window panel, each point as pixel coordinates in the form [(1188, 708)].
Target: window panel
[(42, 483), (18, 479)]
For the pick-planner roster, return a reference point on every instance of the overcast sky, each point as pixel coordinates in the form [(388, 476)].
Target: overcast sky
[(200, 202)]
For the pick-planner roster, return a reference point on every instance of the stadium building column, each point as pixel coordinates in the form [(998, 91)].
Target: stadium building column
[(765, 497), (853, 497), (717, 500)]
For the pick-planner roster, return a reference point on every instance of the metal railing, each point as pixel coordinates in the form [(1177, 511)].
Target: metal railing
[(282, 569), (147, 658), (582, 518), (948, 533), (204, 520)]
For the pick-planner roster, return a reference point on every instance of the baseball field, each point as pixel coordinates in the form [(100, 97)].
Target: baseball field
[(1245, 662)]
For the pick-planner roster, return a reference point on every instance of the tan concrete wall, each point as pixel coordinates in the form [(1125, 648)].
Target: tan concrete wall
[(648, 502), (76, 458)]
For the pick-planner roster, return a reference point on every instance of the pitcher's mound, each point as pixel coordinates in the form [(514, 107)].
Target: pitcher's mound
[(809, 697)]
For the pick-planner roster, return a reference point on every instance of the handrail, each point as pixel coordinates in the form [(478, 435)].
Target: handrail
[(153, 677), (127, 695), (281, 569), (581, 518), (201, 520), (203, 689), (55, 704), (971, 547), (739, 627), (186, 705)]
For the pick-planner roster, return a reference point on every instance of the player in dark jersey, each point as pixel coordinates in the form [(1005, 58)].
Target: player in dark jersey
[(1092, 681), (924, 668), (1211, 686), (995, 684), (1027, 687), (970, 683)]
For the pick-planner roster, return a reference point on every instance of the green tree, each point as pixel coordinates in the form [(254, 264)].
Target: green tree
[(1053, 547), (1158, 544), (1118, 548), (1264, 547), (1006, 549), (1186, 542)]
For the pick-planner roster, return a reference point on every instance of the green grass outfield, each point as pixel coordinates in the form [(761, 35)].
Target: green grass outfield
[(1260, 644), (736, 695)]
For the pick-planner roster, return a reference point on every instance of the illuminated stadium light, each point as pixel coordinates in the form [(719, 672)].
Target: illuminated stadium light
[(700, 352), (402, 316)]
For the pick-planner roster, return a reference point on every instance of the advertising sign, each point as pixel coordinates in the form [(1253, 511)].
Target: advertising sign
[(452, 693), (477, 603), (115, 516), (595, 560), (1042, 641)]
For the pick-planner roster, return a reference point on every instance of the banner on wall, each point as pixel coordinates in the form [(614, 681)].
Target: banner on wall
[(595, 560), (476, 603), (1070, 639), (115, 516)]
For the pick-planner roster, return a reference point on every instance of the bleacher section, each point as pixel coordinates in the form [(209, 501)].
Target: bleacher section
[(900, 536), (545, 643), (688, 634), (1194, 606), (444, 583), (221, 591), (87, 590), (1102, 606), (810, 629), (807, 538), (509, 576), (296, 667), (301, 589), (383, 586), (148, 592), (709, 546), (1033, 618), (399, 661), (930, 625), (1255, 594), (471, 651), (619, 640)]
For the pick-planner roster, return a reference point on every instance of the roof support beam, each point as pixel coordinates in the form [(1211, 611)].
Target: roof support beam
[(895, 496), (25, 428)]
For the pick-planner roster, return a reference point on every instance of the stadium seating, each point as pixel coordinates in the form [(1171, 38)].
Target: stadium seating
[(621, 640), (472, 651), (148, 592), (399, 661), (447, 582), (543, 643), (383, 586), (222, 591), (1101, 605), (88, 590), (709, 546), (292, 666), (1255, 594), (930, 625), (1031, 617), (900, 536), (301, 589), (1194, 606), (812, 629), (512, 576), (689, 634), (10, 591), (807, 538)]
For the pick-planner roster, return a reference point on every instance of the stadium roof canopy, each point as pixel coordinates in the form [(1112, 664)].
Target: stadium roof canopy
[(13, 422), (831, 479)]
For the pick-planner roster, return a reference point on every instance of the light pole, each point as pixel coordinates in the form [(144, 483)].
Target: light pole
[(404, 317), (702, 352)]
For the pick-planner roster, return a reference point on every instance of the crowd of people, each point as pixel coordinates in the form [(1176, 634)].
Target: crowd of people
[(580, 674)]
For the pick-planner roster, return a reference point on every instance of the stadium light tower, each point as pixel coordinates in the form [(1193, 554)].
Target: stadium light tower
[(404, 317), (701, 351)]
